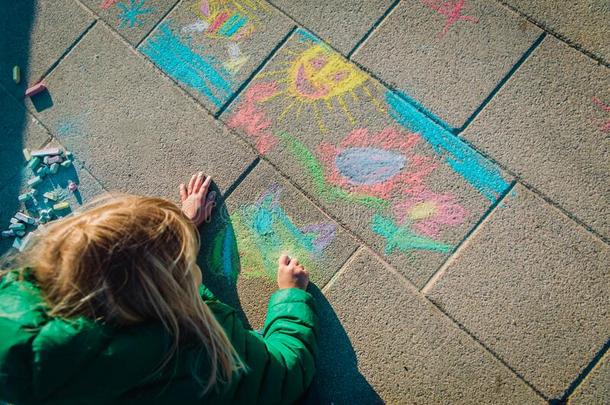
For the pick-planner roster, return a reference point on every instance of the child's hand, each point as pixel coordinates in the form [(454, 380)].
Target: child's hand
[(291, 274), (197, 204)]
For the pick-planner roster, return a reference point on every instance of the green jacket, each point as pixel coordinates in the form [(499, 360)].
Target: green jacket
[(53, 360)]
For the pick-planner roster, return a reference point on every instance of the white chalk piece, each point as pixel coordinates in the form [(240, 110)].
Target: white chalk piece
[(16, 74), (46, 152), (25, 218)]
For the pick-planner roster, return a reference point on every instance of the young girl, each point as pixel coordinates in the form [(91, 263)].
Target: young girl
[(109, 307)]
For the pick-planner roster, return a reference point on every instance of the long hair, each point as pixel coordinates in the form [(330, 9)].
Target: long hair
[(126, 260)]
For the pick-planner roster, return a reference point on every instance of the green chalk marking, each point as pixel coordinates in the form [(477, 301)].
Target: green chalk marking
[(17, 227), (326, 190), (33, 163), (402, 237), (54, 168)]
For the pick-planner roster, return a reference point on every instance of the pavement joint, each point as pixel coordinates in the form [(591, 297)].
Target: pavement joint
[(260, 67), (585, 372), (342, 269), (501, 84), (241, 178), (458, 247), (161, 20), (562, 38), (372, 29)]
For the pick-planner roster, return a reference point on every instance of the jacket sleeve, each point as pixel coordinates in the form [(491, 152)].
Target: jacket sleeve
[(280, 361)]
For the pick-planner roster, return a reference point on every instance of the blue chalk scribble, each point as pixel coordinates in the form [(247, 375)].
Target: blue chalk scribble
[(202, 73), (474, 168), (132, 15)]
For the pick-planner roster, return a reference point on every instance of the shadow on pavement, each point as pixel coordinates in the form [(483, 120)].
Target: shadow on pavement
[(16, 20)]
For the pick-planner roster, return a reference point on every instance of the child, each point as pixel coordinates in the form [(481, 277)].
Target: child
[(109, 307)]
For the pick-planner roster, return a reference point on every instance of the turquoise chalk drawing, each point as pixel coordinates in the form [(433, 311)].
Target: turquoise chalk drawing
[(131, 15), (401, 237), (474, 168), (368, 166), (202, 73)]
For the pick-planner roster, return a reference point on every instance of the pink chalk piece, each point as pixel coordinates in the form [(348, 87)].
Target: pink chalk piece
[(205, 8), (72, 186), (253, 120), (37, 88), (54, 159)]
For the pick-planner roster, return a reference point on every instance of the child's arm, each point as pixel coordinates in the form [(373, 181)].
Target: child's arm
[(281, 362)]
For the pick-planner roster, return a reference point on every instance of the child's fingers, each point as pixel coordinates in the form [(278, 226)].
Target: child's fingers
[(206, 185), (294, 262), (198, 181), (284, 260), (191, 184), (183, 194)]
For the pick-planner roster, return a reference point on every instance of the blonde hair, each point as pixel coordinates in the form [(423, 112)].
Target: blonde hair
[(126, 260)]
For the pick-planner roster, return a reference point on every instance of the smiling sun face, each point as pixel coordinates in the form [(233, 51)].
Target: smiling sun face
[(320, 80)]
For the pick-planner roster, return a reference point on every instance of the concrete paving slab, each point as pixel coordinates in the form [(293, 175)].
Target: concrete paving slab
[(88, 188), (583, 23), (211, 48), (549, 124), (405, 185), (447, 55), (18, 130), (534, 287), (130, 125), (263, 218), (35, 34), (403, 346), (339, 23), (595, 389), (133, 19)]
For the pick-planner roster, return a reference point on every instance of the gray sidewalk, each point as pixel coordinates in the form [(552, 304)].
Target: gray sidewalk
[(441, 167)]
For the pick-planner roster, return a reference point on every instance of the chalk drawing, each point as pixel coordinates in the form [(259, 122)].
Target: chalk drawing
[(320, 80), (132, 15), (253, 120), (381, 164), (236, 59), (262, 231), (175, 57), (402, 238), (230, 19), (198, 26), (452, 10), (430, 212), (604, 127), (474, 168), (106, 4)]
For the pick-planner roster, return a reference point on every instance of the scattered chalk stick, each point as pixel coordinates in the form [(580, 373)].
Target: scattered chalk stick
[(17, 227), (25, 218), (61, 206), (72, 186), (34, 162), (54, 159), (16, 74), (25, 241), (24, 197), (17, 243), (43, 171), (35, 89), (8, 234), (20, 233), (50, 195), (54, 168), (46, 152), (27, 155), (34, 181), (15, 221), (66, 163)]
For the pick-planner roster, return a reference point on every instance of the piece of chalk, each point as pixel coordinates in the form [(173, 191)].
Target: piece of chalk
[(8, 234), (54, 159), (17, 227), (68, 154), (16, 74), (33, 162), (34, 181), (15, 221), (17, 243), (35, 89), (27, 155), (50, 195), (61, 206), (25, 241), (24, 197), (25, 218), (43, 171), (54, 168), (66, 163), (20, 233), (46, 152), (72, 186)]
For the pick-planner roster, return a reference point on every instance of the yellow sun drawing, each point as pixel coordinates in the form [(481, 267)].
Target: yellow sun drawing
[(319, 77), (233, 19)]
